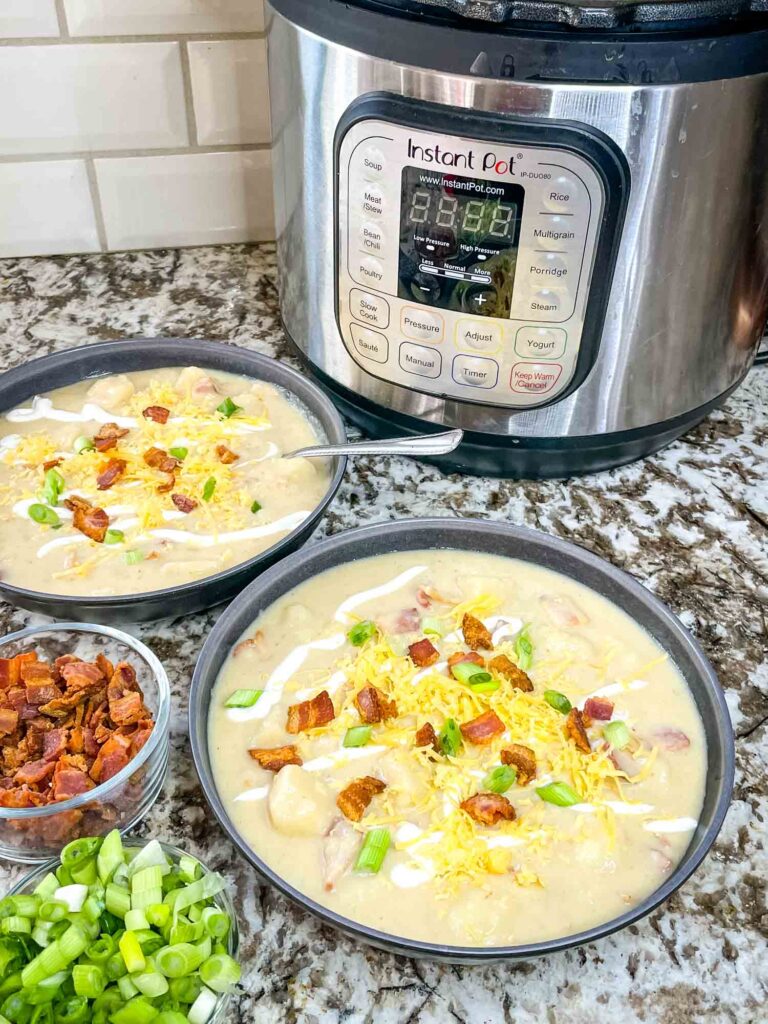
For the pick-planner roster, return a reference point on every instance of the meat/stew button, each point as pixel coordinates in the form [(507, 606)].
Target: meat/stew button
[(535, 378)]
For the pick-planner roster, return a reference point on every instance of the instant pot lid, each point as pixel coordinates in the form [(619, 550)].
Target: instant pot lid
[(593, 14)]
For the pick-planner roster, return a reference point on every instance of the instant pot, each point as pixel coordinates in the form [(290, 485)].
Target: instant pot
[(545, 223)]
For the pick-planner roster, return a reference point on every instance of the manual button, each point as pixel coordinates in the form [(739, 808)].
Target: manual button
[(475, 371), (426, 362), (371, 309), (478, 335), (370, 343)]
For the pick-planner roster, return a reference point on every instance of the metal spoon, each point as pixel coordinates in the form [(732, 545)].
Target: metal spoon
[(422, 444)]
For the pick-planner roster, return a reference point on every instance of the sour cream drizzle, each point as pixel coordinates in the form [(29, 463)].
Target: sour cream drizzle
[(342, 612), (44, 409)]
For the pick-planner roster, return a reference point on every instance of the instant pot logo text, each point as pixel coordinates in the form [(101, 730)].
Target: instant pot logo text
[(471, 161)]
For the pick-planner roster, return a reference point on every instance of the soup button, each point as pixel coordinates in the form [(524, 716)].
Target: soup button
[(535, 378)]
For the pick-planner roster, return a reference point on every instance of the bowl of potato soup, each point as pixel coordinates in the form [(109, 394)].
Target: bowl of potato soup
[(143, 479), (461, 740)]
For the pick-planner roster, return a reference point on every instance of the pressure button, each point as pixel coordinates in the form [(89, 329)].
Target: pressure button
[(422, 324)]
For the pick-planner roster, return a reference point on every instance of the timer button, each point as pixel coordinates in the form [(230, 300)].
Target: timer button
[(425, 362), (476, 372), (540, 342), (370, 309), (373, 163), (478, 336), (421, 324), (372, 201), (370, 344), (560, 194), (370, 270)]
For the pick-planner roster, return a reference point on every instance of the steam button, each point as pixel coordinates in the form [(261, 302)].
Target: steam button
[(545, 303)]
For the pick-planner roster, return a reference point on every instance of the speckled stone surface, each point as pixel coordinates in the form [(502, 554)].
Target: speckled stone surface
[(690, 523)]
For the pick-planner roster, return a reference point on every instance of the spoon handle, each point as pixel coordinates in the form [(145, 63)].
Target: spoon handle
[(424, 444)]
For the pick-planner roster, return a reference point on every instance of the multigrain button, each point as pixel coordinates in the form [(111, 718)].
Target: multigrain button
[(373, 163), (370, 270), (421, 324), (478, 336), (548, 266), (540, 342), (370, 343), (372, 201), (371, 238), (426, 362), (370, 309), (560, 194), (535, 378), (475, 371)]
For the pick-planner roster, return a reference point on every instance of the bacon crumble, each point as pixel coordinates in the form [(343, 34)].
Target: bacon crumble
[(471, 656), (475, 633), (184, 503), (482, 729), (110, 472), (427, 737), (275, 758), (107, 437), (87, 518), (506, 668), (310, 714), (355, 798), (226, 455), (373, 706), (158, 458), (598, 708), (423, 653), (523, 759), (574, 729), (488, 808), (158, 413)]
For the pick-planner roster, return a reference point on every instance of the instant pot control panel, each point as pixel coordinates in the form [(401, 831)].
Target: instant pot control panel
[(474, 268)]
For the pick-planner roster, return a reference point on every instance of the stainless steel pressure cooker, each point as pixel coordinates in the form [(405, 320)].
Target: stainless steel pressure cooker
[(543, 222)]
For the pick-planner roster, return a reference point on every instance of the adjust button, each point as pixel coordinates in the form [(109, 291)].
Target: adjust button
[(370, 309), (540, 342), (478, 335), (426, 362), (370, 343), (421, 324), (535, 378), (475, 371)]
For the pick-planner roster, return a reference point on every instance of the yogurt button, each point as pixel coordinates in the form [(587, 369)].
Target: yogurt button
[(540, 342), (421, 324), (373, 163)]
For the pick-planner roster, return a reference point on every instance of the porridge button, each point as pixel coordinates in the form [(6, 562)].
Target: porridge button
[(476, 372), (426, 362), (421, 324)]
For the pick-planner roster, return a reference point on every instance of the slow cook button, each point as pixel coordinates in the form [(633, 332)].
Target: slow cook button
[(373, 163), (482, 337), (535, 378), (540, 342), (421, 324), (426, 362), (476, 372), (372, 201), (370, 344), (370, 270), (371, 309)]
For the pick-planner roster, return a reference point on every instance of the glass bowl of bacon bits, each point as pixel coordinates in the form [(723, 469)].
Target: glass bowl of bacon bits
[(84, 736)]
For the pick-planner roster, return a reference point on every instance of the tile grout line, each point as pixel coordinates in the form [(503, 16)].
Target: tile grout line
[(119, 154), (65, 39), (189, 99), (98, 213), (61, 17)]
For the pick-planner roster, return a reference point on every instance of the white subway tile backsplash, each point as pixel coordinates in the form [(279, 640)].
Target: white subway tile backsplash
[(103, 96), (45, 207), (158, 17), (28, 18), (229, 89), (190, 199)]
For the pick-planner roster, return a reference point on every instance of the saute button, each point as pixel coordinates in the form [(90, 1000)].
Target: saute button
[(426, 362), (421, 324), (371, 309), (370, 344), (477, 372), (373, 163), (370, 270), (372, 201), (560, 194), (540, 342), (482, 337), (535, 378)]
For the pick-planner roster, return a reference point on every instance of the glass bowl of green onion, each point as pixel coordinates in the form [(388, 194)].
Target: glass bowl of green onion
[(117, 932), (37, 814)]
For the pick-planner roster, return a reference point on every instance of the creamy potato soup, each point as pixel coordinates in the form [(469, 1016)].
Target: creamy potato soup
[(140, 481), (458, 748)]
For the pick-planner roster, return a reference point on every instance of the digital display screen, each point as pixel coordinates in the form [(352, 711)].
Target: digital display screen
[(458, 241)]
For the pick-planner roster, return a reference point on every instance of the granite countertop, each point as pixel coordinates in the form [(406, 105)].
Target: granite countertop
[(690, 523)]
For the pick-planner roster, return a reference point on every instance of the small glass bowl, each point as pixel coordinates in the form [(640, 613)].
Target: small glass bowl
[(29, 835), (223, 900)]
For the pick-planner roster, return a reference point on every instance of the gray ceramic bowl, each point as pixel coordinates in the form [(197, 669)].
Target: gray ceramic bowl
[(68, 367), (498, 539)]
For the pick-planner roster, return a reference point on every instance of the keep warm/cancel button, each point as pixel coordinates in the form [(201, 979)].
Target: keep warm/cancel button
[(535, 378)]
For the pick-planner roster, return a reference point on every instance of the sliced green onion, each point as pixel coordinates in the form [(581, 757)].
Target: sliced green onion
[(190, 868), (617, 734), (136, 1011), (151, 984), (209, 488), (361, 632), (158, 915), (89, 980), (79, 851), (43, 515), (470, 673), (170, 1017), (178, 960), (134, 557), (357, 736), (216, 922), (256, 506), (523, 649), (558, 701), (373, 851), (559, 793), (126, 987), (74, 1011), (185, 990), (490, 687), (179, 453), (117, 899), (53, 485), (136, 919), (114, 537), (110, 856), (73, 895), (16, 925), (25, 904), (149, 856), (432, 627), (221, 972), (48, 886), (498, 780), (131, 952), (102, 949), (203, 889), (243, 698), (83, 444), (450, 738), (228, 408), (202, 1008)]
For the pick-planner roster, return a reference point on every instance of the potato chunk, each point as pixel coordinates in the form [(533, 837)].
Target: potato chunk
[(111, 393), (299, 804)]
